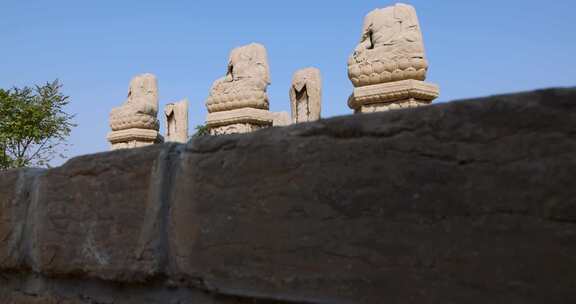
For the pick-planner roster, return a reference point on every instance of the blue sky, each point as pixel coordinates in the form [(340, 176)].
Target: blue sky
[(475, 48)]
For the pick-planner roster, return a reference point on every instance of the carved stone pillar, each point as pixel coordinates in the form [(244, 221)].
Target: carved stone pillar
[(306, 95), (176, 115)]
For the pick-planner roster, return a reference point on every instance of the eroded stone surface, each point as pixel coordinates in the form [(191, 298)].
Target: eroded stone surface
[(100, 216), (466, 202), (243, 120), (141, 106), (133, 138), (281, 119), (36, 289), (245, 83), (23, 298), (137, 115), (176, 115), (242, 89), (391, 49), (392, 96), (236, 128), (16, 194), (306, 95), (462, 202)]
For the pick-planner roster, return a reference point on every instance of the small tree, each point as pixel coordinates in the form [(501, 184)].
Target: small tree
[(33, 125), (201, 130)]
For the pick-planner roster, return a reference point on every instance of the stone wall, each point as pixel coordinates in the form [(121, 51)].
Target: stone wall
[(465, 202)]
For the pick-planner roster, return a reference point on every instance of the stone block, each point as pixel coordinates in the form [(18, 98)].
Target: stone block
[(133, 138), (392, 96), (281, 119), (468, 202), (464, 202), (16, 187), (235, 121), (101, 216)]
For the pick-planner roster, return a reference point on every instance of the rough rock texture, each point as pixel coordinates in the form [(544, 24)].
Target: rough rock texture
[(141, 106), (392, 96), (176, 115), (306, 95), (391, 50), (247, 78), (241, 96), (237, 121), (281, 119), (466, 202), (15, 197), (107, 225), (134, 124)]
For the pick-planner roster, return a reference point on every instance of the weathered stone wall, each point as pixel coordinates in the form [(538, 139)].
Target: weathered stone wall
[(465, 202)]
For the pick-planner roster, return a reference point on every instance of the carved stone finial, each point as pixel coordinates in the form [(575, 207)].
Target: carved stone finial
[(306, 95), (389, 66), (134, 124), (238, 102), (177, 121)]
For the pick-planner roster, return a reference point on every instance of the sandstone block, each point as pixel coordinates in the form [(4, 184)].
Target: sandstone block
[(462, 202), (134, 138), (16, 194), (393, 95), (100, 216), (281, 119), (235, 121)]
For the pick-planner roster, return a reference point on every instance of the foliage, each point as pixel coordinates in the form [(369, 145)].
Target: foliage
[(202, 130), (33, 125)]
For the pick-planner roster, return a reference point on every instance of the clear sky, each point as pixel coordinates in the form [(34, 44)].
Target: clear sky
[(475, 48)]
